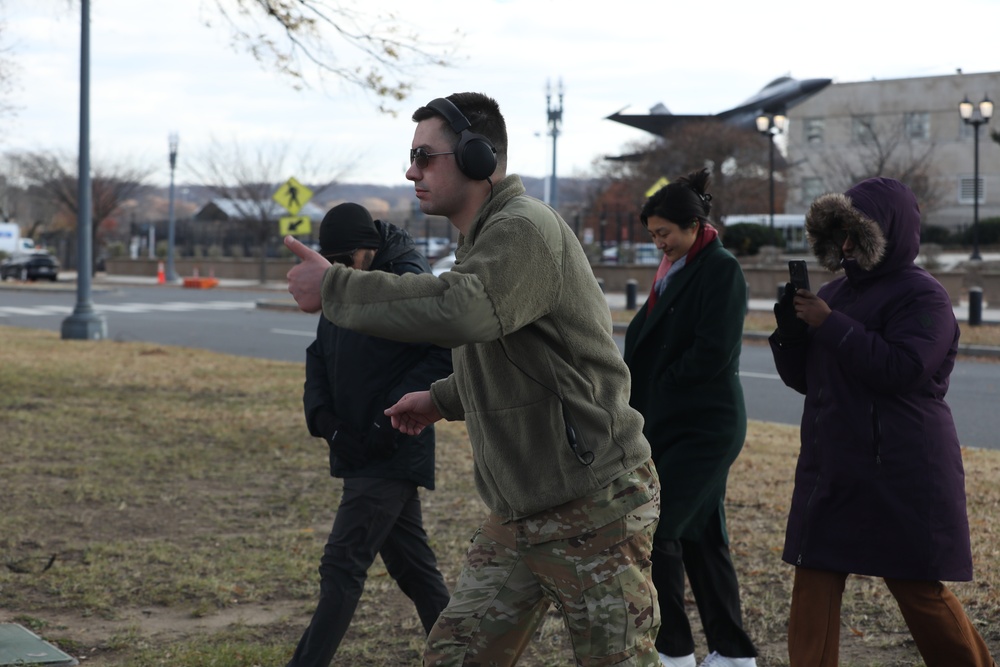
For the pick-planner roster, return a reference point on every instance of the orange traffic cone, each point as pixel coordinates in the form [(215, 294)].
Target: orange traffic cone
[(161, 277)]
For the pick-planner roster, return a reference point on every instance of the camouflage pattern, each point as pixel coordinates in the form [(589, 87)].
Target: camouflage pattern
[(590, 558)]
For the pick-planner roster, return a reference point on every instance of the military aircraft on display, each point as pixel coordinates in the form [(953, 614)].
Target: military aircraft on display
[(776, 97)]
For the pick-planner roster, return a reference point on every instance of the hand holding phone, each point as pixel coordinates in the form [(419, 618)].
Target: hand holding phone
[(798, 274)]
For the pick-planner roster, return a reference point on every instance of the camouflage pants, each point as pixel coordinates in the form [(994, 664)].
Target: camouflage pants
[(599, 580)]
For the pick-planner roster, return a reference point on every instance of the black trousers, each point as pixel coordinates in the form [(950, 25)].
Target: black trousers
[(376, 516), (716, 592)]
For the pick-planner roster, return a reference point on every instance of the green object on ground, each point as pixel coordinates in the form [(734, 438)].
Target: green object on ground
[(20, 646)]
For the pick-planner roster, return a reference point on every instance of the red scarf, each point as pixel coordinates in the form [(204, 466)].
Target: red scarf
[(706, 234)]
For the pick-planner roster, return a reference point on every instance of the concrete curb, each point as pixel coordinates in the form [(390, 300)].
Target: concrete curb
[(619, 329), (964, 350), (280, 304)]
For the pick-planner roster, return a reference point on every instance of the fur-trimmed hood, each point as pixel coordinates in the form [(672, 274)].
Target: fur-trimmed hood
[(883, 217)]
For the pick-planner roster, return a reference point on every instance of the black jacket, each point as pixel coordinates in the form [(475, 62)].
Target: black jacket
[(351, 378)]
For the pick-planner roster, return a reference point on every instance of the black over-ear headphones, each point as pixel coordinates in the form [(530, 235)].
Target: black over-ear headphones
[(475, 155)]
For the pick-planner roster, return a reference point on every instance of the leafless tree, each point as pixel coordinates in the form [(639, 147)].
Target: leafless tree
[(314, 43), (52, 178), (8, 76), (736, 158), (881, 147), (359, 47), (248, 177)]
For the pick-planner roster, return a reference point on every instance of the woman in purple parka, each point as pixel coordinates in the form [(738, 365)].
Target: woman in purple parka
[(879, 484)]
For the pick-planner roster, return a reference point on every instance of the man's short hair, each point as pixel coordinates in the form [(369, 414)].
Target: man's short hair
[(484, 117)]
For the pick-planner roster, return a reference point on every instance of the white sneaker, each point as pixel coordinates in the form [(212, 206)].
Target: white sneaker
[(682, 661), (715, 660)]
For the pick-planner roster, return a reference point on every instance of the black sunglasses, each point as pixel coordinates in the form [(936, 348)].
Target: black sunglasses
[(345, 258), (421, 158)]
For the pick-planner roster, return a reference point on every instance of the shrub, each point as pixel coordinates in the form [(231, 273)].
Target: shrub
[(747, 238), (989, 232), (938, 235)]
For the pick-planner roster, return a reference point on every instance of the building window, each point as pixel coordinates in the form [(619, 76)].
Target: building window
[(811, 188), (862, 128), (917, 125), (966, 190), (966, 131), (813, 130)]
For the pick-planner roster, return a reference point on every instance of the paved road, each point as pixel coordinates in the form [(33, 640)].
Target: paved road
[(229, 321)]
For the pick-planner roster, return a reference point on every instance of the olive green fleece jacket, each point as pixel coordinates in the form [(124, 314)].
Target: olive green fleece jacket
[(531, 336)]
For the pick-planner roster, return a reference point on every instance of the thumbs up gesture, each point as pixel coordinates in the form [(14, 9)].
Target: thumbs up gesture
[(305, 280)]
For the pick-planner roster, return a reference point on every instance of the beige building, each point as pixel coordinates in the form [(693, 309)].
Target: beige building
[(907, 128)]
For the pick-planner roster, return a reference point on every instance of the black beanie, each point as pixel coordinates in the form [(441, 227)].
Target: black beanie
[(347, 227)]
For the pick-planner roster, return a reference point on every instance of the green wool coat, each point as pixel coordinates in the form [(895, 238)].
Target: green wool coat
[(684, 358)]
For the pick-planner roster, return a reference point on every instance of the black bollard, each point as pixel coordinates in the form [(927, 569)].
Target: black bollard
[(975, 306), (631, 289)]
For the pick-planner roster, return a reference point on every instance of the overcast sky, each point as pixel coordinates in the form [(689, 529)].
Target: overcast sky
[(156, 68)]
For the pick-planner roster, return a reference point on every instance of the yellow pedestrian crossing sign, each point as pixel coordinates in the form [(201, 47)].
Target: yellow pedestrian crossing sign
[(656, 186), (292, 195), (296, 225)]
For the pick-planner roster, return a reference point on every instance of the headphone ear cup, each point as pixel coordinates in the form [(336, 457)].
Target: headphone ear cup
[(476, 156)]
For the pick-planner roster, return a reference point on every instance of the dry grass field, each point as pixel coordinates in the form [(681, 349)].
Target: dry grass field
[(166, 506)]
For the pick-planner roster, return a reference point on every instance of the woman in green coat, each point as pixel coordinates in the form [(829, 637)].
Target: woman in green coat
[(683, 350)]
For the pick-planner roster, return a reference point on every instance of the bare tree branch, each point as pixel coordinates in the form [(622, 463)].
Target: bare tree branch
[(737, 160), (249, 176), (53, 177), (8, 77), (332, 38), (882, 148)]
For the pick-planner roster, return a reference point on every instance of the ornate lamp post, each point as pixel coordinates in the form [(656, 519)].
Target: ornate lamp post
[(967, 111), (172, 140), (555, 118), (771, 125)]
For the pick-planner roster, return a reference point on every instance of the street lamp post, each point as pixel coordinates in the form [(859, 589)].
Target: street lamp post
[(967, 111), (771, 125), (172, 140), (555, 118), (85, 323)]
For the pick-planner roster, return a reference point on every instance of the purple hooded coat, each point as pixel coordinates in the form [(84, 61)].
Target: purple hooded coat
[(879, 485)]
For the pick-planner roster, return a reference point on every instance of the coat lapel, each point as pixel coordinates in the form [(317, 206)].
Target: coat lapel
[(678, 282)]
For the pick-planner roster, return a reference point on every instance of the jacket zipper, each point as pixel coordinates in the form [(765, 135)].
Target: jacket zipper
[(876, 434)]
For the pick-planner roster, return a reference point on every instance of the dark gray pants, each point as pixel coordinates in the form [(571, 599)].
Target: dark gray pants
[(716, 592), (376, 516)]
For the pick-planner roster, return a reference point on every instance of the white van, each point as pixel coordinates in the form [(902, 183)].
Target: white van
[(11, 241)]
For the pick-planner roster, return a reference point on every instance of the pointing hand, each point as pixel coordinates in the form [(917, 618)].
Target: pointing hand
[(305, 280)]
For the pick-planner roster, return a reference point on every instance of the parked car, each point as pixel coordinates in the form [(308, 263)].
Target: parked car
[(433, 247), (33, 266), (640, 253)]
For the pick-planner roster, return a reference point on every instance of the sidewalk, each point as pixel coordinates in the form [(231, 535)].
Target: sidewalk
[(990, 315), (282, 300)]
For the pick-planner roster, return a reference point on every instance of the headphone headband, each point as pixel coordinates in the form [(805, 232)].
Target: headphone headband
[(451, 113), (475, 154)]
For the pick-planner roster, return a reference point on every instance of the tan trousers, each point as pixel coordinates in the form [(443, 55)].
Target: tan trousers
[(943, 633)]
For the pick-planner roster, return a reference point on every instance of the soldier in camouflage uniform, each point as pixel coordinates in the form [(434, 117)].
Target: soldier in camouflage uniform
[(560, 459), (596, 576)]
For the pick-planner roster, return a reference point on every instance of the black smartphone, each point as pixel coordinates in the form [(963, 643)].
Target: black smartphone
[(798, 274)]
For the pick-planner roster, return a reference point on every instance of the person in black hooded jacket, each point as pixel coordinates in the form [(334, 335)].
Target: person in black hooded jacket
[(351, 378)]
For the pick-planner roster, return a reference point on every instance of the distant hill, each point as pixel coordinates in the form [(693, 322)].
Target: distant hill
[(573, 192), (395, 203)]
